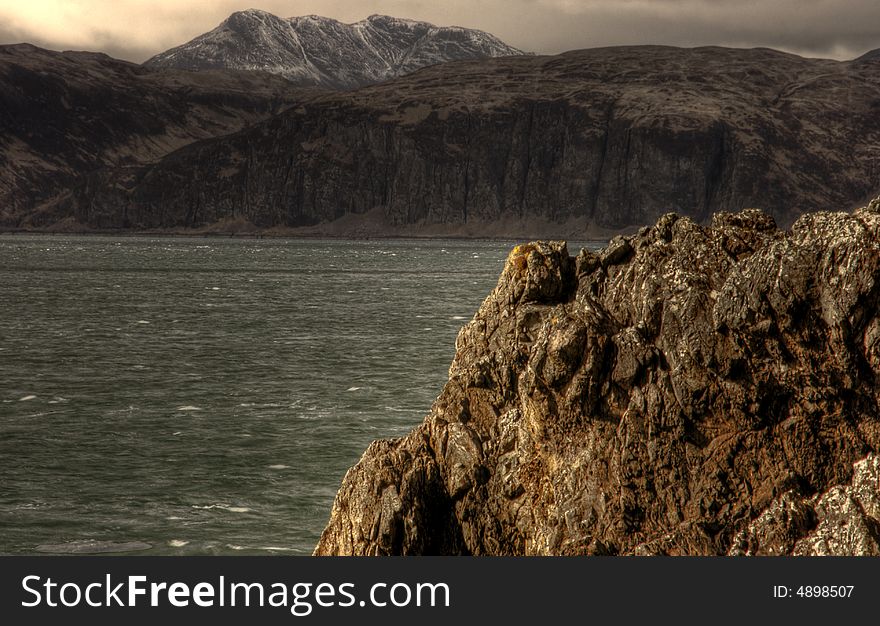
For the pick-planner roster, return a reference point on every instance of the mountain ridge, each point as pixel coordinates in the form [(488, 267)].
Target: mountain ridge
[(566, 146), (873, 55), (319, 51), (615, 137)]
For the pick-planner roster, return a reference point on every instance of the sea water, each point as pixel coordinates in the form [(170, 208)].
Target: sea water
[(207, 395)]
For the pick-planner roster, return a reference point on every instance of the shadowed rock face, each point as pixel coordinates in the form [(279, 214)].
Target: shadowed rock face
[(611, 137), (605, 138), (843, 521), (687, 390), (65, 115)]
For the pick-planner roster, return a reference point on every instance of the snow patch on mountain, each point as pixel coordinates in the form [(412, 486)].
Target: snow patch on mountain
[(320, 51)]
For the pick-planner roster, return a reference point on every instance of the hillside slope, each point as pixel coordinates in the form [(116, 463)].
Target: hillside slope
[(65, 115), (611, 137)]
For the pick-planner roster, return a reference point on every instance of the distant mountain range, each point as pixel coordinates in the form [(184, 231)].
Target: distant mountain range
[(525, 146), (319, 51)]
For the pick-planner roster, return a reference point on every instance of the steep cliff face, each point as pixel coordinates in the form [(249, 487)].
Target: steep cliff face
[(687, 390), (611, 137), (65, 115)]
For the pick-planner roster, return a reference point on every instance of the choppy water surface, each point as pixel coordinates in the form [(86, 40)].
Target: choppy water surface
[(205, 396)]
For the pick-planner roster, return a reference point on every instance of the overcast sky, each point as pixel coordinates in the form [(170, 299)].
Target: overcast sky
[(137, 29)]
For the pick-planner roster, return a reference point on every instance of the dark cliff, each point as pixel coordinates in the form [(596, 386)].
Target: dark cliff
[(609, 137), (687, 390), (66, 115)]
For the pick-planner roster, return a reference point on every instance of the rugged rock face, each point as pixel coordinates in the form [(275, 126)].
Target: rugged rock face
[(323, 52), (65, 115), (687, 390), (607, 137), (845, 521)]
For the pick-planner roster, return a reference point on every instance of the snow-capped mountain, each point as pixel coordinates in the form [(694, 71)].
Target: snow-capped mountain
[(313, 50)]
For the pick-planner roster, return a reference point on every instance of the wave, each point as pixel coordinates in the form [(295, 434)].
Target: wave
[(223, 507)]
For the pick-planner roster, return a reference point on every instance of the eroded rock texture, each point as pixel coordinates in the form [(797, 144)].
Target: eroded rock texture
[(687, 390), (845, 521)]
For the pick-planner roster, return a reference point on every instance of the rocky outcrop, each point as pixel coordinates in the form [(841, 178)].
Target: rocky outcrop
[(686, 390), (609, 138)]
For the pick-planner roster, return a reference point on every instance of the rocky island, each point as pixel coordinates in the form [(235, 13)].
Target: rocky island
[(688, 390)]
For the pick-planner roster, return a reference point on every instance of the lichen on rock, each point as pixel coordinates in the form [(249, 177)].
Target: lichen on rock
[(686, 390)]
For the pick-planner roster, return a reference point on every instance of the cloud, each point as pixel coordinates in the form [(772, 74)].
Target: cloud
[(814, 27), (136, 29)]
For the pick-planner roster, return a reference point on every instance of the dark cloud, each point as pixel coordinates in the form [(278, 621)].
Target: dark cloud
[(134, 29)]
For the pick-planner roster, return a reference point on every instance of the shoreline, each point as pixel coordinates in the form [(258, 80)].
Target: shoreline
[(185, 234), (356, 227)]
